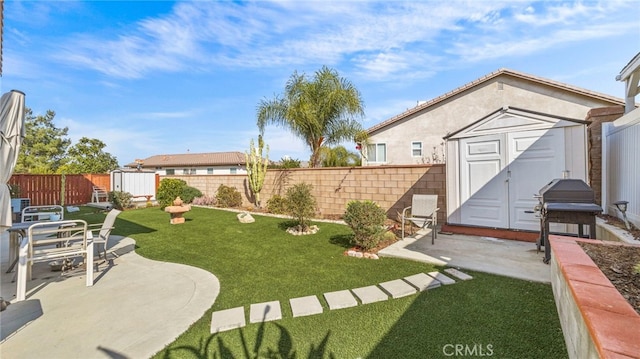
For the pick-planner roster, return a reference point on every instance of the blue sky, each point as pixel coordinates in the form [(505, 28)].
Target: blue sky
[(167, 77)]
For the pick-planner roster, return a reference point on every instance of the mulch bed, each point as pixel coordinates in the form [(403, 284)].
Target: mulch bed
[(617, 263)]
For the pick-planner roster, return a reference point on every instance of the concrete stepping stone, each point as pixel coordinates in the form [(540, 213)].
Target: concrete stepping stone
[(398, 288), (265, 312), (370, 294), (422, 281), (227, 319), (456, 273), (303, 306), (340, 299), (442, 278)]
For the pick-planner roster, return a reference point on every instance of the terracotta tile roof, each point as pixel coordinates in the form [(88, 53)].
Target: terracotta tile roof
[(193, 160), (508, 72)]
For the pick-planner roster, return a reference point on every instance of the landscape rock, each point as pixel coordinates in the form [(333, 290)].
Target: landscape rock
[(245, 218)]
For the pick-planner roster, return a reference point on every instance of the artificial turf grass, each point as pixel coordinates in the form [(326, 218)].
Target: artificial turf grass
[(508, 318), (259, 262)]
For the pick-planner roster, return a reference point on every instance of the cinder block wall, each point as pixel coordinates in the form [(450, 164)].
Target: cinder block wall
[(390, 186), (597, 117)]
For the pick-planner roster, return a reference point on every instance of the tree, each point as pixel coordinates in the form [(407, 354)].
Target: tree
[(339, 157), (88, 156), (256, 168), (44, 146), (322, 111)]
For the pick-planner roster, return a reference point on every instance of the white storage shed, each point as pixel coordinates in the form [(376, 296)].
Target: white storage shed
[(140, 183), (496, 166)]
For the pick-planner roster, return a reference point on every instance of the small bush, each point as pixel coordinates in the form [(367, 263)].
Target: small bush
[(366, 219), (301, 204), (189, 193), (228, 197), (204, 201), (169, 189), (120, 200), (277, 205)]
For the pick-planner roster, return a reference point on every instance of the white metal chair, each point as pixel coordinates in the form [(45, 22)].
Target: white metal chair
[(422, 212), (53, 240), (42, 213), (101, 232), (99, 192)]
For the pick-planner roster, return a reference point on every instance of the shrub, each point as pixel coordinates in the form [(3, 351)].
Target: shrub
[(366, 219), (301, 204), (204, 201), (228, 197), (169, 189), (189, 193), (120, 200), (277, 205)]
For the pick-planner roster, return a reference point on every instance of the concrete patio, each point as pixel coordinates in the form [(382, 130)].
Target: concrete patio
[(135, 308), (484, 254)]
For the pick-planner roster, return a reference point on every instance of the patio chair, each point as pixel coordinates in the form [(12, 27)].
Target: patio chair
[(101, 232), (42, 213), (99, 192), (60, 240), (422, 212)]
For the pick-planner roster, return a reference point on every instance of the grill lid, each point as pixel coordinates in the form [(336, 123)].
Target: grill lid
[(567, 191)]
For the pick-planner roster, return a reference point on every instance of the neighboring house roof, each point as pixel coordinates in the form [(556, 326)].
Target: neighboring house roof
[(193, 160), (508, 72)]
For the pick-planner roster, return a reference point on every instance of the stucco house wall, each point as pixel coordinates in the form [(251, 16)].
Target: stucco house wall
[(428, 123)]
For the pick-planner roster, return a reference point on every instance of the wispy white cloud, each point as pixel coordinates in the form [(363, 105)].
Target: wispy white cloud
[(382, 40)]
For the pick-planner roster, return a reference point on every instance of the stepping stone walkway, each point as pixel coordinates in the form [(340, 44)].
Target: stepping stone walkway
[(398, 288), (370, 294), (233, 318), (422, 281), (265, 312), (227, 319), (442, 278), (456, 273), (305, 306), (340, 299)]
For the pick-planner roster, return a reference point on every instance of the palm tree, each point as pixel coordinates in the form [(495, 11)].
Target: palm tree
[(322, 111), (339, 157)]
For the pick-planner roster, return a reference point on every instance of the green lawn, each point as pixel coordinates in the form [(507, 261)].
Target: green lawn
[(488, 316)]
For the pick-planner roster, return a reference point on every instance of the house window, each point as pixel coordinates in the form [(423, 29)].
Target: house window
[(416, 149), (377, 152), (171, 171), (233, 171), (185, 171), (192, 171), (210, 171)]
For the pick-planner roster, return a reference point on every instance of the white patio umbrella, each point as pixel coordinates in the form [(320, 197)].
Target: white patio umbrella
[(11, 135)]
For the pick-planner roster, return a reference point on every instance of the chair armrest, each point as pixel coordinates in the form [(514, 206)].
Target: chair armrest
[(404, 211)]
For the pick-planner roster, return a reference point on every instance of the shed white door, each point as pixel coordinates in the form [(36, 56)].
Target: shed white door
[(483, 186), (501, 173)]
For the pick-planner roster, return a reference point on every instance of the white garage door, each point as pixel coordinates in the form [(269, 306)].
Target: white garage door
[(501, 173)]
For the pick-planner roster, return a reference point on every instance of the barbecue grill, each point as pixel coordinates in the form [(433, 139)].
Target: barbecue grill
[(569, 201)]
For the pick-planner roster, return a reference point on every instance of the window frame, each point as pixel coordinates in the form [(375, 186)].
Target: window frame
[(376, 146), (413, 149)]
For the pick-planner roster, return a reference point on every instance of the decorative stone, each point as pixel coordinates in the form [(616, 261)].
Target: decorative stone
[(177, 201), (296, 231), (245, 218)]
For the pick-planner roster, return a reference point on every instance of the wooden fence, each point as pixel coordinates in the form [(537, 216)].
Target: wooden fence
[(48, 189)]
